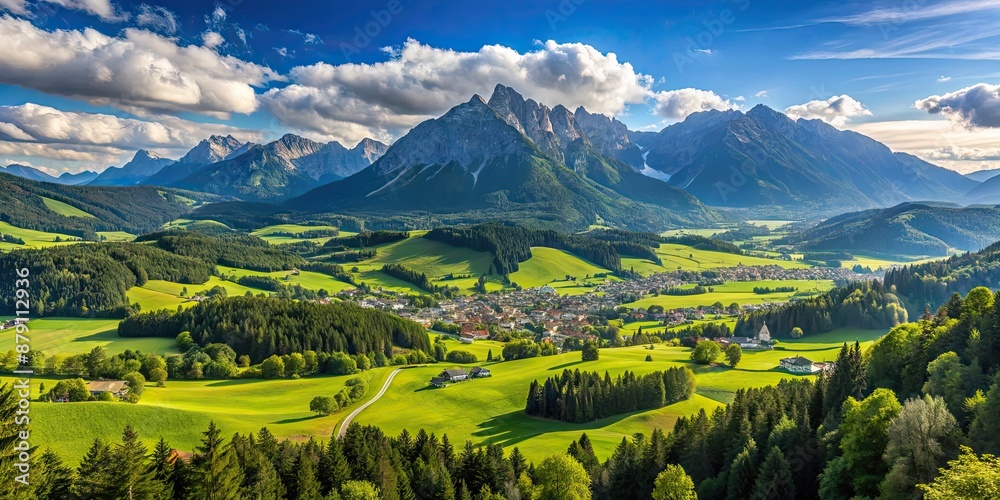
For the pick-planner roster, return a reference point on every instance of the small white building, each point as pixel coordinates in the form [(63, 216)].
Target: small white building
[(799, 364)]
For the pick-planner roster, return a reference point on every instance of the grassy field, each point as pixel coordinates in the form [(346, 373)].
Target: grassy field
[(306, 279), (549, 264), (64, 208), (158, 294), (116, 235), (268, 233), (483, 410), (76, 336), (876, 262), (683, 257), (190, 224), (32, 238), (740, 292)]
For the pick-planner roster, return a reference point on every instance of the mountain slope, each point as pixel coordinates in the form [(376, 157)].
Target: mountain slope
[(281, 169), (133, 209), (983, 175), (906, 229), (143, 165), (763, 158), (986, 192), (472, 161), (27, 172), (77, 179), (214, 149)]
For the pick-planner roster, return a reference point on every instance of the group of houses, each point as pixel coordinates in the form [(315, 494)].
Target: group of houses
[(760, 341), (458, 375), (803, 365)]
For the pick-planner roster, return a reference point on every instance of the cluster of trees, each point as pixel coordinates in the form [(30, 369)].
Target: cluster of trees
[(9, 238), (696, 290), (825, 256), (408, 275), (865, 304), (636, 244), (91, 280), (354, 389), (351, 255), (366, 239), (579, 397), (308, 233), (240, 250), (511, 244), (259, 327), (764, 290), (528, 348), (931, 283)]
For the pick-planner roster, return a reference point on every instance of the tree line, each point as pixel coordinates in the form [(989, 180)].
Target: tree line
[(579, 397), (863, 304), (91, 280), (240, 250), (366, 239), (260, 327), (421, 280)]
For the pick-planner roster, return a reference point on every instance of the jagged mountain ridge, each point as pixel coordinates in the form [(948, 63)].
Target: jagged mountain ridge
[(474, 160), (142, 166)]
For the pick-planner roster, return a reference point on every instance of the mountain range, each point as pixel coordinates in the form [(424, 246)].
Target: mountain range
[(35, 174), (764, 158), (513, 156), (907, 229)]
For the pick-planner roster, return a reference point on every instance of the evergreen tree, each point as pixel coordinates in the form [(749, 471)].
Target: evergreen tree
[(50, 479), (8, 440), (743, 473), (848, 379), (307, 487), (134, 478), (333, 466), (775, 479), (216, 471), (94, 476)]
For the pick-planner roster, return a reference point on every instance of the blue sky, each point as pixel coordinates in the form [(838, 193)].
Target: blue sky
[(88, 82)]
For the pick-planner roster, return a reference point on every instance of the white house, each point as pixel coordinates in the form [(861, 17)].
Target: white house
[(798, 364)]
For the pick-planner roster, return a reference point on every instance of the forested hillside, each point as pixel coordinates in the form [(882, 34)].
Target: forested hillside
[(259, 327), (931, 283), (131, 209)]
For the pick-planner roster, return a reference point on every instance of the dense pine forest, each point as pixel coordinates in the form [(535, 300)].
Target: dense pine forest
[(90, 280), (931, 283), (234, 250), (584, 397), (857, 305), (260, 327)]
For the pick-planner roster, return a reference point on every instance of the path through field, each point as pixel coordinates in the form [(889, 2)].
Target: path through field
[(385, 387)]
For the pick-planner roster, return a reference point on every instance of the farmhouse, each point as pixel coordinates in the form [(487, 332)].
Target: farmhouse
[(799, 364), (479, 372), (13, 323), (450, 375), (118, 388)]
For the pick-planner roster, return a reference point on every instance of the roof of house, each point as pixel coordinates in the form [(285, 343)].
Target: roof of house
[(454, 372), (113, 386), (798, 360), (477, 369), (764, 331)]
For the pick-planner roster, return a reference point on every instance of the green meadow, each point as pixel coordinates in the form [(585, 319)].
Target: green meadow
[(482, 410), (68, 336), (682, 257), (159, 294), (32, 238), (740, 292), (268, 233), (64, 208), (306, 279)]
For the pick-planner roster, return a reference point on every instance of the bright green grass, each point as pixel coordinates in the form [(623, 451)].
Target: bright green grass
[(683, 257), (32, 238), (706, 232), (64, 208), (191, 224), (159, 294), (491, 410), (267, 233), (770, 224), (548, 264), (307, 279), (181, 411), (76, 336), (483, 410), (876, 262), (740, 292), (116, 235)]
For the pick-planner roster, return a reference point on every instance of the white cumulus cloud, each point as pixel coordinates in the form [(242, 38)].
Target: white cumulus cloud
[(157, 19), (837, 110), (351, 101), (138, 71), (678, 104)]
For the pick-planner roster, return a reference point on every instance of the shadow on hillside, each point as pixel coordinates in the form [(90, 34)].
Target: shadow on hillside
[(566, 365), (514, 427), (297, 420)]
